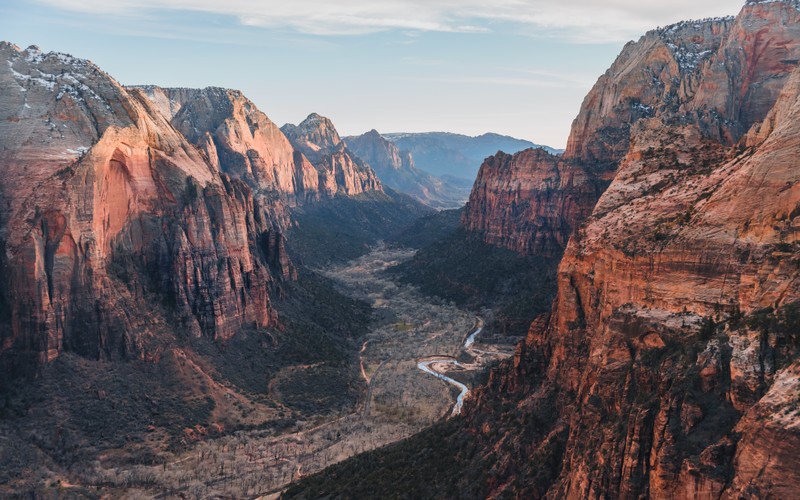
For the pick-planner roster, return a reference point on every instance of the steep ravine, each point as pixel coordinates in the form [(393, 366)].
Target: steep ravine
[(667, 366), (397, 400)]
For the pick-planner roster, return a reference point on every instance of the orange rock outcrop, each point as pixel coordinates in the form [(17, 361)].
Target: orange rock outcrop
[(131, 215), (668, 367)]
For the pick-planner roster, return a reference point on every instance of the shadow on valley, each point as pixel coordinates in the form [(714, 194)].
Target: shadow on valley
[(345, 228), (462, 268), (85, 418)]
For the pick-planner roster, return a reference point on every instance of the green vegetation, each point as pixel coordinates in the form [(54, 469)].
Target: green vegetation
[(440, 462), (462, 268), (318, 327), (430, 229), (302, 367), (345, 228), (403, 327), (784, 323), (452, 460)]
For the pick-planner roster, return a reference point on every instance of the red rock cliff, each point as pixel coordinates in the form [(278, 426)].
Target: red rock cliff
[(531, 201), (722, 75), (340, 171), (116, 230), (243, 142), (668, 367)]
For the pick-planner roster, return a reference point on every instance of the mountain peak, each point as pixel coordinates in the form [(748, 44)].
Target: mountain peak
[(317, 139), (315, 133)]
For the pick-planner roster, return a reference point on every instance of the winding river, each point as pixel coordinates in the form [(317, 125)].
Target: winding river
[(426, 367)]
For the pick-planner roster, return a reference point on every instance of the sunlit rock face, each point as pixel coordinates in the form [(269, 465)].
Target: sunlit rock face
[(530, 202), (117, 230), (721, 76), (339, 170), (668, 366)]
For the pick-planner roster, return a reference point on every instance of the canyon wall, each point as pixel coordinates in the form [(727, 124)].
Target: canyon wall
[(668, 365), (340, 171), (131, 215), (720, 75)]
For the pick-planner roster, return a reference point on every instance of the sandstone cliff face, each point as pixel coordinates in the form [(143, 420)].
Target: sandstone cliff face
[(118, 232), (653, 76), (743, 78), (396, 170), (240, 140), (530, 202), (668, 366), (721, 75), (315, 135), (339, 170)]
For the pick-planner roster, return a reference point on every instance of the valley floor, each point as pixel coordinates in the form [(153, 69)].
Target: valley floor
[(399, 399)]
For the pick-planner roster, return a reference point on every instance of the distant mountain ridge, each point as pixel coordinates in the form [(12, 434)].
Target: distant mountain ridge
[(318, 140), (397, 169), (458, 155), (669, 364)]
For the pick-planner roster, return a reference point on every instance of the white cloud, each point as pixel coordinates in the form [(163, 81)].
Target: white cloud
[(580, 20)]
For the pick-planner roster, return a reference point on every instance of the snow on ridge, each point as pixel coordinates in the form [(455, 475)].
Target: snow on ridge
[(692, 24), (688, 57), (679, 38), (67, 77), (47, 83), (793, 3)]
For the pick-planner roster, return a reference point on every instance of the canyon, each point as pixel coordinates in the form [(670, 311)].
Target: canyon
[(667, 366), (399, 171), (243, 300), (146, 275)]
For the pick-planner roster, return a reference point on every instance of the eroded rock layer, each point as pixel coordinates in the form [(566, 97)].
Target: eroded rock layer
[(117, 230), (340, 171), (668, 367), (720, 75)]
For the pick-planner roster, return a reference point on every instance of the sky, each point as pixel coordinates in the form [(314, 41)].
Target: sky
[(515, 67)]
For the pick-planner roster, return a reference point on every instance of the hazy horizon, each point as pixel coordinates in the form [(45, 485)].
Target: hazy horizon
[(508, 67)]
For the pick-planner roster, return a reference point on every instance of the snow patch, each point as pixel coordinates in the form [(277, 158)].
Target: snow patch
[(49, 84), (67, 77), (80, 150), (689, 56), (791, 3)]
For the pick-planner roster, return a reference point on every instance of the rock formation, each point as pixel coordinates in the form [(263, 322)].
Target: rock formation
[(721, 75), (339, 170), (531, 201), (396, 170), (668, 367), (117, 231), (314, 136), (243, 142)]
